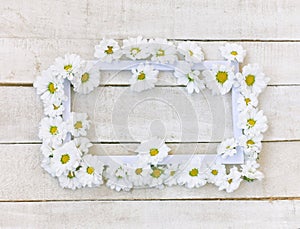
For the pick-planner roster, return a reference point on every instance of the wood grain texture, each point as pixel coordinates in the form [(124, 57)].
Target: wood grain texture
[(20, 118), (22, 60), (175, 214), (22, 178), (215, 20)]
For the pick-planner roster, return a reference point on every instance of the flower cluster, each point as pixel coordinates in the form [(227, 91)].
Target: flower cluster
[(65, 147)]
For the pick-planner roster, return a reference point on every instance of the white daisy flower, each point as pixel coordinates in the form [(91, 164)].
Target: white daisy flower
[(47, 165), (227, 148), (157, 177), (171, 174), (252, 121), (215, 173), (78, 124), (233, 52), (231, 181), (252, 79), (90, 174), (53, 109), (162, 51), (68, 66), (117, 176), (144, 77), (69, 180), (191, 51), (136, 48), (50, 87), (247, 100), (52, 130), (250, 172), (66, 158), (108, 50), (219, 79), (47, 149), (188, 77), (251, 144), (139, 174), (88, 79), (83, 144), (152, 151)]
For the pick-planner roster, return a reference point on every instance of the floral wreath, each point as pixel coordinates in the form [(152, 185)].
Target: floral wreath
[(65, 148)]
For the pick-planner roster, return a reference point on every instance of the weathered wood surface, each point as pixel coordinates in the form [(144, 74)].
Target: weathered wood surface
[(167, 214)]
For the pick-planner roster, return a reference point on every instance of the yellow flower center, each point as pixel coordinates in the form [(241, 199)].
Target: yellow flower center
[(156, 173), (51, 88), (53, 130), (153, 152), (251, 122), (138, 171), (247, 101), (68, 67), (55, 107), (190, 78), (141, 76), (194, 172), (109, 50), (234, 53), (222, 77), (160, 52), (229, 181), (191, 53), (78, 125), (172, 173), (250, 79), (85, 77), (90, 170), (71, 174), (134, 51), (65, 158), (214, 172), (250, 142)]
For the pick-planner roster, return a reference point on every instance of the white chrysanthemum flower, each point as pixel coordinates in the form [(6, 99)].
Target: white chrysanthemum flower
[(88, 78), (227, 148), (144, 77), (191, 51), (139, 174), (47, 165), (108, 50), (219, 79), (90, 174), (250, 172), (50, 87), (171, 173), (69, 180), (190, 175), (251, 144), (215, 174), (152, 151), (188, 77), (78, 124), (231, 181), (68, 66), (162, 51), (247, 100), (233, 52), (252, 79), (66, 158), (157, 177), (117, 178), (53, 109), (47, 149), (252, 121), (83, 144), (53, 130), (136, 48)]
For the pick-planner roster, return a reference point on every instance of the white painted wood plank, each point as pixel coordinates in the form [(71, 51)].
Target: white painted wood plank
[(21, 60), (272, 19), (22, 178), (22, 111), (154, 214)]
